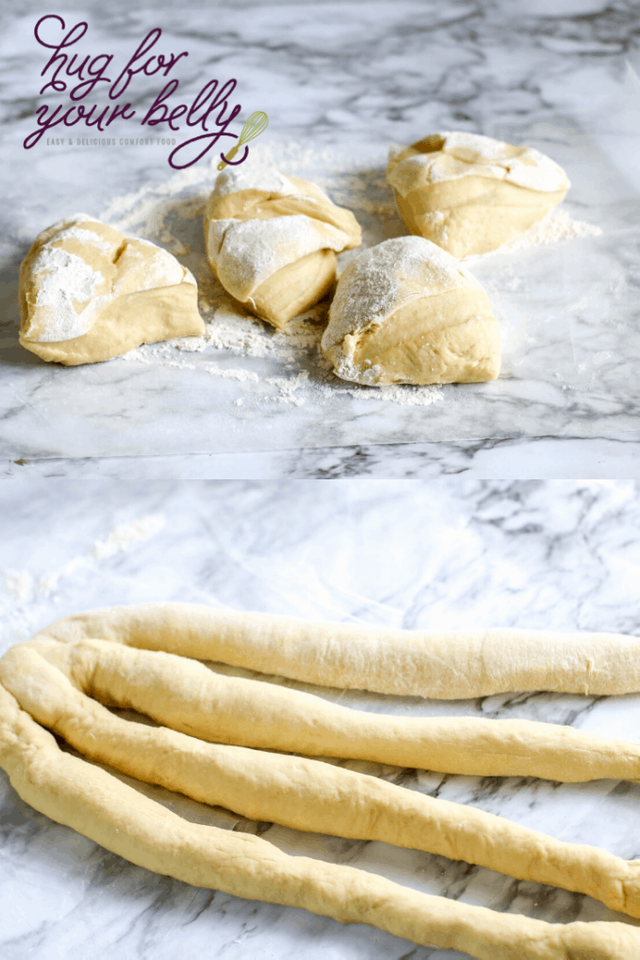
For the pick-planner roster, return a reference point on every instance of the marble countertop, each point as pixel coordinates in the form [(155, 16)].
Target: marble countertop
[(416, 554), (340, 83)]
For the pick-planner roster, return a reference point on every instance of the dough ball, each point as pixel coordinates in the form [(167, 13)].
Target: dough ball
[(470, 194), (89, 293), (407, 312), (273, 240)]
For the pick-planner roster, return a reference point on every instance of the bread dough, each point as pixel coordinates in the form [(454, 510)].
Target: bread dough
[(45, 676), (454, 665), (469, 193), (407, 312), (273, 240), (99, 806), (299, 793), (223, 709), (89, 293)]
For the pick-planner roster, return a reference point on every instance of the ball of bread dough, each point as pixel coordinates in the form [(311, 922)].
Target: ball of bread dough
[(88, 293), (469, 193), (407, 312), (273, 240)]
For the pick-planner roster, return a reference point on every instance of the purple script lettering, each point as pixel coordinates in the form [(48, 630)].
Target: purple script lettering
[(91, 68), (147, 67)]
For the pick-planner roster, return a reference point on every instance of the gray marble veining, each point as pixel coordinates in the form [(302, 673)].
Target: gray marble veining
[(541, 458), (427, 554), (345, 81)]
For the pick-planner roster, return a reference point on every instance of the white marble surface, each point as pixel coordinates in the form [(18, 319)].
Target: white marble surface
[(400, 553), (541, 458), (344, 82)]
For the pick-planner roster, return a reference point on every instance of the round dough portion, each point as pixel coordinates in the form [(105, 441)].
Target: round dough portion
[(407, 312), (89, 293), (273, 240), (469, 193)]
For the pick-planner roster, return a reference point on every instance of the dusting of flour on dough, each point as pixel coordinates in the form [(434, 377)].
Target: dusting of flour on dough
[(378, 275), (73, 304), (456, 154), (253, 176), (248, 252)]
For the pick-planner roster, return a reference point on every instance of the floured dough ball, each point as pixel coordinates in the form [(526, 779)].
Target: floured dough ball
[(407, 312), (89, 293), (470, 194), (273, 240)]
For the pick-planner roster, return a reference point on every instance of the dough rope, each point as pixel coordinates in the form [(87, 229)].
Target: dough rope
[(75, 793), (51, 680), (456, 665), (185, 695), (306, 794)]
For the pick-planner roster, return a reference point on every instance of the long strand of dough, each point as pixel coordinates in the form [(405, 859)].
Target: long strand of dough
[(314, 796), (93, 802), (183, 694), (446, 666)]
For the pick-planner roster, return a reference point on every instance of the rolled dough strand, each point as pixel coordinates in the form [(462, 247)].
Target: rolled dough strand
[(445, 666), (90, 800), (184, 694), (313, 796)]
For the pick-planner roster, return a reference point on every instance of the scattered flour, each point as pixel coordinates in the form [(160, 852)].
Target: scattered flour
[(287, 388), (18, 584), (128, 533), (171, 213), (21, 586)]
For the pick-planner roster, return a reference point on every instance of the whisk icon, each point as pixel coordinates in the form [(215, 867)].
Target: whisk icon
[(254, 126)]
